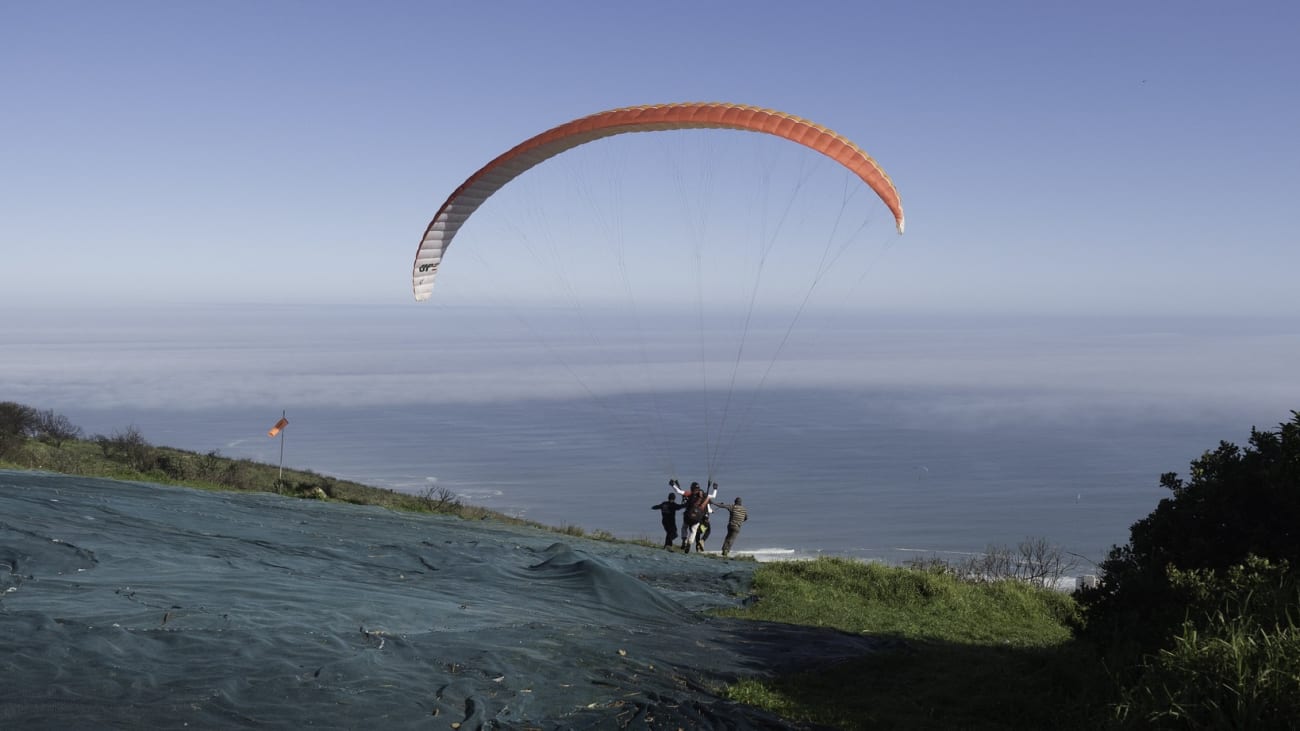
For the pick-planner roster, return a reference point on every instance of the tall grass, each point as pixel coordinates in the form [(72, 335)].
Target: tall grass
[(1231, 672)]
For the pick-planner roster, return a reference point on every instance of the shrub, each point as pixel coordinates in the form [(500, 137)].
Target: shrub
[(1033, 561), (1229, 671), (55, 428), (68, 462), (174, 466), (440, 500), (238, 474), (1238, 503), (1260, 589), (17, 424), (211, 466), (128, 447)]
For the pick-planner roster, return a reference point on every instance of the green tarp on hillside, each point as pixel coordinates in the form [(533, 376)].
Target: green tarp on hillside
[(135, 605)]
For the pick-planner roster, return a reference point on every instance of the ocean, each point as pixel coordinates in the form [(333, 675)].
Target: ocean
[(917, 436)]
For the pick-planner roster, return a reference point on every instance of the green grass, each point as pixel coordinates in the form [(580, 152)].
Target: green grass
[(211, 471), (959, 655), (872, 598), (1232, 672)]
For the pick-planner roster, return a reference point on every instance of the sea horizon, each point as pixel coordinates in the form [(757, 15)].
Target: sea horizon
[(911, 437)]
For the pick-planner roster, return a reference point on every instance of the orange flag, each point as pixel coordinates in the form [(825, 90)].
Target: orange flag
[(282, 423)]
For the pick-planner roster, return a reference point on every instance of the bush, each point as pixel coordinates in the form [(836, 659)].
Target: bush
[(174, 466), (17, 424), (1229, 672), (1238, 503), (128, 447), (211, 466), (1033, 561), (68, 462), (440, 500), (1259, 589), (239, 474), (55, 428)]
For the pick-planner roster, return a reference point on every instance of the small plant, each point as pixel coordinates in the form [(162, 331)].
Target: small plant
[(55, 428), (210, 466), (931, 565), (1033, 561), (238, 474), (440, 500), (128, 447)]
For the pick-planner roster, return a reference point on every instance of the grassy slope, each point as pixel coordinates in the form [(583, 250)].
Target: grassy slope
[(169, 466), (968, 655)]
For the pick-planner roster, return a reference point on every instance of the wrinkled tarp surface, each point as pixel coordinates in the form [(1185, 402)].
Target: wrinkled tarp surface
[(135, 605)]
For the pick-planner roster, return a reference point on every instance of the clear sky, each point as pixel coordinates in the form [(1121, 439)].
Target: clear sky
[(1108, 157)]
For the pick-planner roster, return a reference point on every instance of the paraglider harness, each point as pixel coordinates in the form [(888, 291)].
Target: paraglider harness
[(695, 510)]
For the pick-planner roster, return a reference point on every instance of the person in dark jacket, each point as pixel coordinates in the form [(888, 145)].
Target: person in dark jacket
[(668, 509), (738, 516)]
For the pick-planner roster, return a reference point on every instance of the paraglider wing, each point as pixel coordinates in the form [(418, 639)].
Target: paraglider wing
[(471, 194)]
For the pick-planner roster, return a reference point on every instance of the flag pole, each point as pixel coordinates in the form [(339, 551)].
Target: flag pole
[(278, 431), (284, 416)]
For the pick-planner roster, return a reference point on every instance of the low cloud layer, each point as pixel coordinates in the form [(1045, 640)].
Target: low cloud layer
[(214, 357)]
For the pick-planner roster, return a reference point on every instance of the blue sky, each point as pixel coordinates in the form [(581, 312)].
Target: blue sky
[(1107, 158)]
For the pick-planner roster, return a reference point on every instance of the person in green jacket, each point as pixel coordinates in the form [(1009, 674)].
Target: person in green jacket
[(738, 515)]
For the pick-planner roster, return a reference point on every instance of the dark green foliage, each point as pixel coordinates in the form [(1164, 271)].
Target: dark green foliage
[(208, 466), (174, 466), (1238, 503), (17, 423), (1231, 675), (1235, 662), (238, 473), (1266, 592)]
